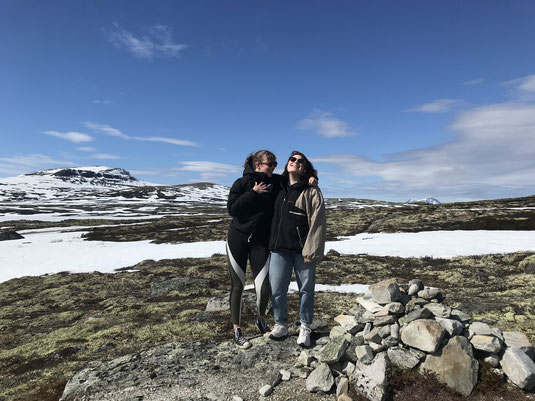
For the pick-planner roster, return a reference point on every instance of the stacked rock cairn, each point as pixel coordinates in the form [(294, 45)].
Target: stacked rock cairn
[(408, 326)]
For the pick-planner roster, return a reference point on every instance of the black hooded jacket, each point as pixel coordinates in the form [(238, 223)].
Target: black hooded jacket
[(251, 212)]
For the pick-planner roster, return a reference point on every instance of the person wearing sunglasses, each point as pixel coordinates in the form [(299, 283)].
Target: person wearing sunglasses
[(297, 243), (250, 203)]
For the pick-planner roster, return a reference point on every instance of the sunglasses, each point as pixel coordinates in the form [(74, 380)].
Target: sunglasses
[(296, 160), (270, 164)]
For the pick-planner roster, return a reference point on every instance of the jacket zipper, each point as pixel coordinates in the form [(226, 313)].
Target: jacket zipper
[(299, 235), (280, 223)]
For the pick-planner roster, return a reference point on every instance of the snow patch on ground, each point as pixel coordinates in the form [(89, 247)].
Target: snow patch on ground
[(53, 251)]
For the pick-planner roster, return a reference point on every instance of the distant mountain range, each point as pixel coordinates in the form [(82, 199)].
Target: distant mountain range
[(84, 190), (425, 201)]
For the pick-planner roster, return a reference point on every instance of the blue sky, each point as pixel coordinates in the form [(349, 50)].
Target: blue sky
[(391, 100)]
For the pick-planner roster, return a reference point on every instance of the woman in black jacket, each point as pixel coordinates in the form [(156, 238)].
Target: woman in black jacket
[(250, 203), (297, 243)]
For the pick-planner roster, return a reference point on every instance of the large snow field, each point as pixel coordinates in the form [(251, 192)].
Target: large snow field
[(53, 251)]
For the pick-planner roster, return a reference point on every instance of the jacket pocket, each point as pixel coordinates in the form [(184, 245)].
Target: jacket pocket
[(301, 243)]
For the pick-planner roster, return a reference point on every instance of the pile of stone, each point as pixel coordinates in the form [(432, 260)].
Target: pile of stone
[(408, 326)]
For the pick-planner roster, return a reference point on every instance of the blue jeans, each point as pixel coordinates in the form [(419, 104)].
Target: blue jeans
[(280, 274)]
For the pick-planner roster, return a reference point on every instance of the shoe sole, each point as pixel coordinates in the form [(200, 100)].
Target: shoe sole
[(272, 337), (245, 346)]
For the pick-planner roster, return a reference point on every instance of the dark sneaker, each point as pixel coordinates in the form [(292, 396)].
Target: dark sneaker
[(240, 340), (262, 326)]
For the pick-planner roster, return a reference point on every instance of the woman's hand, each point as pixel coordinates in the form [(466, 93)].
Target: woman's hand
[(260, 188), (313, 181)]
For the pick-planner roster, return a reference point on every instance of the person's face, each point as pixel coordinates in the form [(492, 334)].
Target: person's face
[(267, 166), (296, 164)]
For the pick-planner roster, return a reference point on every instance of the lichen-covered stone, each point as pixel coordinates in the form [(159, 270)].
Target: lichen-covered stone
[(371, 381), (333, 351), (321, 379)]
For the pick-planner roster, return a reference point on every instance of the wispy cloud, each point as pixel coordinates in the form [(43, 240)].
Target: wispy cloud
[(106, 129), (86, 149), (195, 170), (76, 137), (28, 163), (524, 84), (491, 156), (101, 101), (474, 81), (324, 124), (436, 106), (156, 42), (105, 156), (172, 141), (209, 170)]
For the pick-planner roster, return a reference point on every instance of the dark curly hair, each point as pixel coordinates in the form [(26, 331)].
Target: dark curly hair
[(308, 170)]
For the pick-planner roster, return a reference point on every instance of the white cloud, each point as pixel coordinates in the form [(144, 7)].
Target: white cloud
[(105, 129), (101, 101), (75, 137), (172, 141), (105, 156), (209, 170), (158, 42), (436, 106), (324, 124), (491, 156), (524, 84), (87, 149), (25, 164)]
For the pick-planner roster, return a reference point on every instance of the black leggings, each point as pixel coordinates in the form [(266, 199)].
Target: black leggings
[(241, 247)]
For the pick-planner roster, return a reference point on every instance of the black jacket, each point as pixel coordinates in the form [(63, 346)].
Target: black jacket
[(289, 228), (251, 212)]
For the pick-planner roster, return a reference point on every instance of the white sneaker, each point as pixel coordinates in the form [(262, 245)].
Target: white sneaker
[(304, 336), (279, 331)]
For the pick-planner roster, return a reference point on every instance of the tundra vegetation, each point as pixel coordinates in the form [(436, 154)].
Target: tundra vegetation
[(51, 326)]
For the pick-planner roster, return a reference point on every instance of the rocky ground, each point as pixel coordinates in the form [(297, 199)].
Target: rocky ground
[(53, 326)]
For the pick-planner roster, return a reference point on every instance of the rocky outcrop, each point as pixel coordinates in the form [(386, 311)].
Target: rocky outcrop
[(10, 235), (391, 328)]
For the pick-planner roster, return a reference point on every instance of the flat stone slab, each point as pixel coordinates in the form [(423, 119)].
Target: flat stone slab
[(369, 305), (515, 339)]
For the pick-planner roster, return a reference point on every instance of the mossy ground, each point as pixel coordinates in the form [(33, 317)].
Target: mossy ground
[(50, 326)]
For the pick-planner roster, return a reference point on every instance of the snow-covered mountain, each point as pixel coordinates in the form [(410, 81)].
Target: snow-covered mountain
[(425, 201), (86, 191)]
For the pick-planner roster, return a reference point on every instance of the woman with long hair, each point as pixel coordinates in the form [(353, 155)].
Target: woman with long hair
[(250, 203), (297, 243)]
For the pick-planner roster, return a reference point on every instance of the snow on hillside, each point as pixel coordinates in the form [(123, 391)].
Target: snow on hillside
[(86, 191), (425, 201)]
